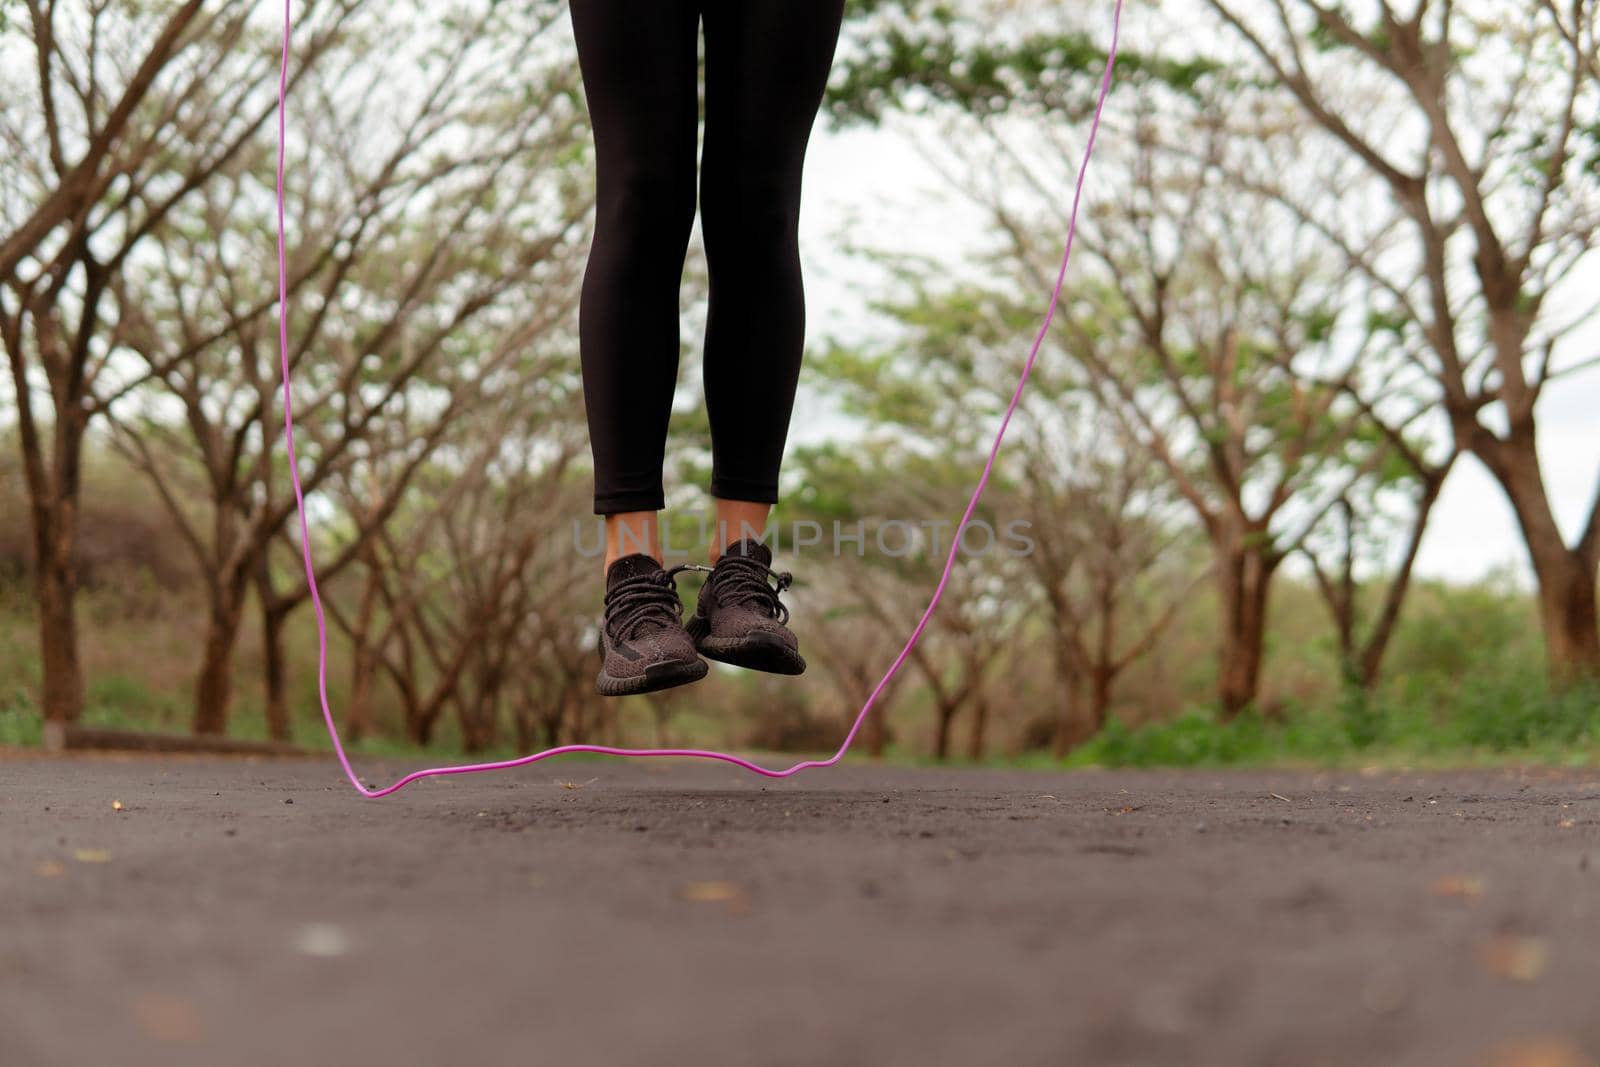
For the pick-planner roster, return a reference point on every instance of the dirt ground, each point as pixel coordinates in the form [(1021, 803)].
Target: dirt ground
[(259, 912)]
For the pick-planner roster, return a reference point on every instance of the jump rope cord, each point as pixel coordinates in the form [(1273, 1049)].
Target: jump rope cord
[(738, 761)]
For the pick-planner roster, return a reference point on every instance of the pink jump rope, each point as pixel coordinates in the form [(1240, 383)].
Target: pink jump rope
[(739, 761)]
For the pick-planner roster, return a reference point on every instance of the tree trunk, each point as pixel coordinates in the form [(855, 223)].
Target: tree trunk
[(1566, 575), (1568, 612), (363, 659), (53, 485), (480, 712), (977, 733), (214, 688), (56, 588), (477, 718), (1244, 577), (941, 738), (419, 729), (877, 731), (1068, 732), (275, 663), (1100, 680), (358, 721)]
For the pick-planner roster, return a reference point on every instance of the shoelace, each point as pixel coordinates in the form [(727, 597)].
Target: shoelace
[(644, 598), (743, 580)]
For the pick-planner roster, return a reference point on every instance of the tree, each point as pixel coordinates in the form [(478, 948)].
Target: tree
[(1118, 564), (1107, 555), (1209, 349), (1358, 531), (116, 114), (1196, 340), (417, 275), (1477, 126), (469, 589)]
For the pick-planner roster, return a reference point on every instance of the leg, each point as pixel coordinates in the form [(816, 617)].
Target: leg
[(734, 518), (767, 64), (638, 61), (633, 532)]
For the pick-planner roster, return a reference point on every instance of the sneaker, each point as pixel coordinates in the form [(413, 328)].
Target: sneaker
[(642, 638), (739, 619)]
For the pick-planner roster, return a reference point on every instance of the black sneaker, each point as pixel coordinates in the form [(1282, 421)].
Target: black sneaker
[(739, 619), (642, 638)]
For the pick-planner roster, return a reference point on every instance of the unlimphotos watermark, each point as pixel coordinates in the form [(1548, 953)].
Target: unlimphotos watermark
[(896, 538)]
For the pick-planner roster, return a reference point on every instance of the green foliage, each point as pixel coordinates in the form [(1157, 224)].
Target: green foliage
[(1512, 712), (1194, 739), (1494, 714), (1323, 38), (1466, 684), (949, 59), (120, 701), (20, 721)]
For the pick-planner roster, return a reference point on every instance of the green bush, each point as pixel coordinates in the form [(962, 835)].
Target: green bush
[(1196, 738), (20, 721), (118, 701), (1502, 712), (1487, 712)]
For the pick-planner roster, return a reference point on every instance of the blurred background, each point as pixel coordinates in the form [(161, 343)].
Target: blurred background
[(1308, 464)]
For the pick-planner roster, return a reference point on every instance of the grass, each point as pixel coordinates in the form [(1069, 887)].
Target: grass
[(1487, 717), (1498, 719)]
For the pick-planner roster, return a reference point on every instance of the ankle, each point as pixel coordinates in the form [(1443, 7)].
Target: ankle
[(738, 520), (612, 557), (634, 533)]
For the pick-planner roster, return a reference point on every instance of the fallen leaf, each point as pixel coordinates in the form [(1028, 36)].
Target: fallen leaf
[(710, 891), (49, 869), (733, 896), (1458, 886), (92, 855), (1566, 824), (1547, 1052), (1521, 959), (167, 1018)]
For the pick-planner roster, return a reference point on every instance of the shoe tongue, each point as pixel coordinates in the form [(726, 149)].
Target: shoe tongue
[(630, 567), (751, 549)]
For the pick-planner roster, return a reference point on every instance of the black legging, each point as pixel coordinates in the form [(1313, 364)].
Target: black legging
[(767, 63)]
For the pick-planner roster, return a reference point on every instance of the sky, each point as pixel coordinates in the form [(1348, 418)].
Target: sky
[(873, 187)]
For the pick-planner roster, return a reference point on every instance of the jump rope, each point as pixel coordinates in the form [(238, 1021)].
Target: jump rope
[(607, 750)]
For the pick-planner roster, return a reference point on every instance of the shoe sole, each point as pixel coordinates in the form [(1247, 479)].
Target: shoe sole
[(656, 677), (755, 652)]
